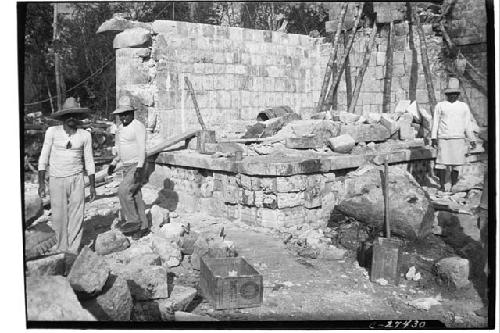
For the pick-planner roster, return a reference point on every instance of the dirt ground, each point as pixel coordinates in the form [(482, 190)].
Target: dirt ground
[(297, 288)]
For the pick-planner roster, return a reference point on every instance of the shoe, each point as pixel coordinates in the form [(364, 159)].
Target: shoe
[(141, 233), (129, 228)]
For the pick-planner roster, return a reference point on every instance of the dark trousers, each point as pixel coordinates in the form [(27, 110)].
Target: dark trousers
[(133, 209)]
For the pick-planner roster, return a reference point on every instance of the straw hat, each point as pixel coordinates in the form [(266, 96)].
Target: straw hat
[(124, 105), (70, 106), (453, 86)]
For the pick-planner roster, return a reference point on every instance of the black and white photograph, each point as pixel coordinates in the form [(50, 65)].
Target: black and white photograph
[(256, 165)]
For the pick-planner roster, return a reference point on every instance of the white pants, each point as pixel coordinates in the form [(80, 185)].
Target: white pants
[(67, 200)]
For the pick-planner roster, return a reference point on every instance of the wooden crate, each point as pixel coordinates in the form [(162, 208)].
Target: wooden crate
[(245, 290)]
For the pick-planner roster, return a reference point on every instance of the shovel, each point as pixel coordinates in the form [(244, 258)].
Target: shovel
[(386, 252)]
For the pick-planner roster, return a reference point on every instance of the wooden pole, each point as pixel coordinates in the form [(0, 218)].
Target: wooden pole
[(386, 105), (425, 60), (362, 69), (336, 81), (347, 73), (331, 60), (386, 198), (193, 97)]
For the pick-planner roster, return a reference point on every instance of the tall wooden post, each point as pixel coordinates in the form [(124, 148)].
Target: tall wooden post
[(331, 60), (347, 73), (386, 104), (425, 60), (362, 69), (335, 82)]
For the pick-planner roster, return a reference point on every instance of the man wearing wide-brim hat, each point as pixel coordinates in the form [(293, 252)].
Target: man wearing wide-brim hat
[(67, 151), (452, 125), (130, 141)]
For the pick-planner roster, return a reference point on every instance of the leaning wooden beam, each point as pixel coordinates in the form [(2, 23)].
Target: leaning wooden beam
[(425, 60), (332, 59), (196, 108), (362, 69), (386, 105), (335, 82), (347, 73)]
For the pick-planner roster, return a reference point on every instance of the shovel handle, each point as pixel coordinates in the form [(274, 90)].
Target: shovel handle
[(386, 198)]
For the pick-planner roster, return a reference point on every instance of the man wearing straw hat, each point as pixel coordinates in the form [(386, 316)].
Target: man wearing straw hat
[(67, 150), (452, 124), (130, 143)]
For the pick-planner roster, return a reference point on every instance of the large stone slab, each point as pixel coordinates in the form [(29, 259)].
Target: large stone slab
[(115, 303), (145, 282), (50, 265), (89, 272), (411, 213), (366, 132), (116, 24), (111, 241), (135, 37), (342, 143), (168, 250), (51, 298)]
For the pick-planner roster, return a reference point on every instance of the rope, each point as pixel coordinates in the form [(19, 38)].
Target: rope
[(98, 71)]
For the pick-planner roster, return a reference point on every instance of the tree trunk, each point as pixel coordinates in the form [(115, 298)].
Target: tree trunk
[(362, 69), (192, 11), (331, 60), (335, 83), (386, 105), (425, 60), (55, 37)]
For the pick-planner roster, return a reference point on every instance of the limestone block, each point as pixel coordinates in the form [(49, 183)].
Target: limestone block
[(342, 143), (248, 215), (453, 271), (292, 199), (115, 303), (295, 183), (389, 123), (120, 24), (135, 37), (51, 298), (89, 272), (168, 249), (50, 265), (165, 27), (247, 197), (111, 241), (406, 132), (402, 106), (304, 142)]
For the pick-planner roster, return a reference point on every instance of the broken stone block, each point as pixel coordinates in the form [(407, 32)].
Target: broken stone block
[(115, 303), (111, 241), (120, 24), (50, 265), (159, 217), (130, 38), (345, 117), (180, 298), (88, 273), (304, 142), (406, 132), (342, 143), (373, 117), (173, 230), (321, 129), (33, 208), (453, 271), (402, 106), (146, 311), (411, 212), (187, 242), (332, 253), (145, 283), (51, 298), (212, 247), (366, 132), (389, 123), (168, 250), (414, 111)]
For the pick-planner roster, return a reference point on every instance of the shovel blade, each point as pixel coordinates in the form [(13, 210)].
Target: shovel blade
[(385, 261)]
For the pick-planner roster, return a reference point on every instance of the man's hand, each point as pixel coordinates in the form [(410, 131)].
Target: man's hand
[(41, 190), (434, 143), (111, 169), (92, 194)]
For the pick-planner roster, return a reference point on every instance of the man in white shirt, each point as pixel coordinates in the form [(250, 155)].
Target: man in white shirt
[(67, 151), (130, 141), (452, 124)]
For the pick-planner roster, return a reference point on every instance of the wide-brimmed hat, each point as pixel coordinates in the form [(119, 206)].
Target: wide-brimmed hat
[(453, 86), (124, 105), (70, 106)]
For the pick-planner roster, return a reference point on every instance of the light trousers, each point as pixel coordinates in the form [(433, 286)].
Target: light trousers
[(133, 209), (67, 200)]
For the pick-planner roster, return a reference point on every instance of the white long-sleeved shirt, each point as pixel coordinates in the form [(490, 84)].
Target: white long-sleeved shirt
[(130, 142), (452, 121), (62, 161)]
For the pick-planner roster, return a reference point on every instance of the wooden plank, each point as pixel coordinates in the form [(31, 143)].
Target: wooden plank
[(170, 142), (331, 60), (196, 108), (362, 69)]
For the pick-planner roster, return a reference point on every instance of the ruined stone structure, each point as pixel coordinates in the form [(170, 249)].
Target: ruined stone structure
[(238, 72)]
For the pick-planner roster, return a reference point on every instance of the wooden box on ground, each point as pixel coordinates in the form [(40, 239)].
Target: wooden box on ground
[(230, 283)]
